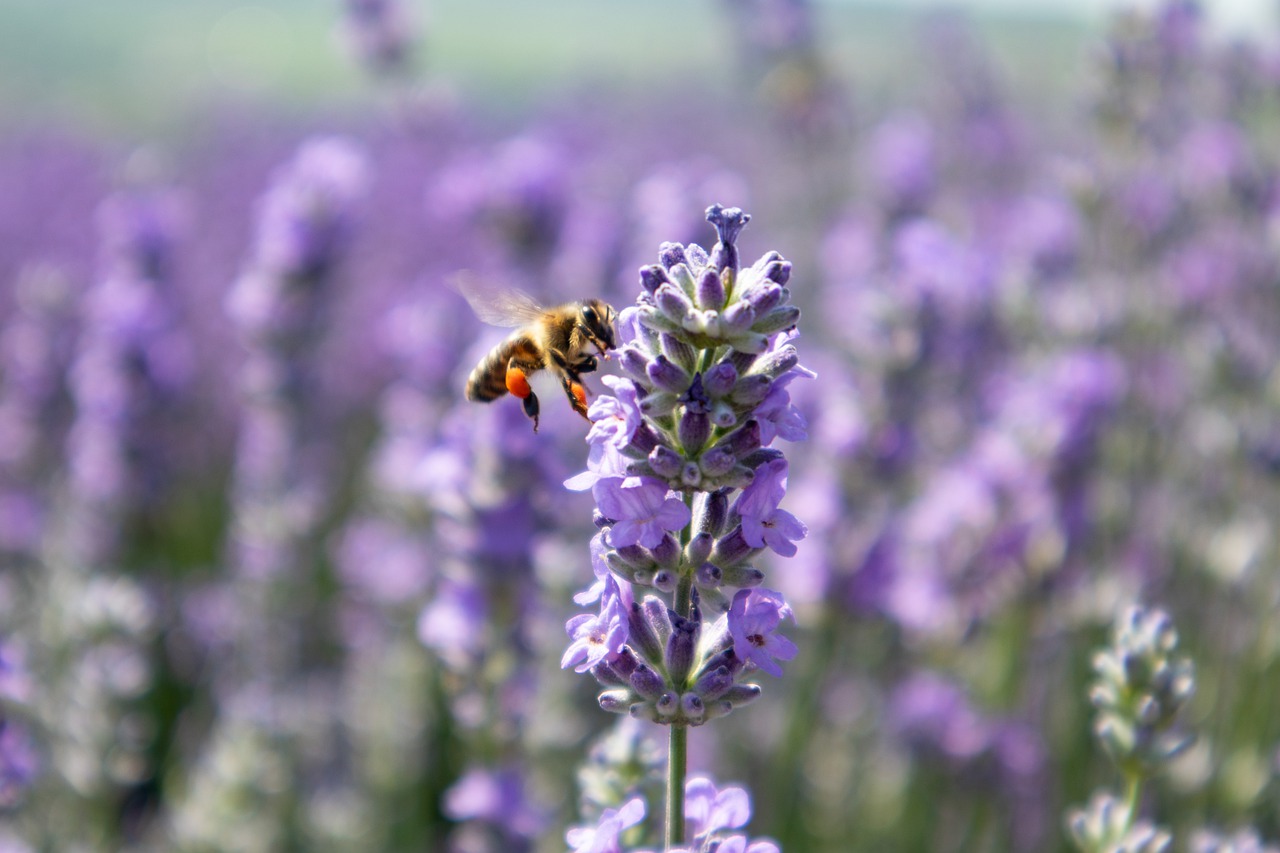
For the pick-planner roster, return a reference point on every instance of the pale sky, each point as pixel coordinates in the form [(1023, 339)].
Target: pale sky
[(1229, 15)]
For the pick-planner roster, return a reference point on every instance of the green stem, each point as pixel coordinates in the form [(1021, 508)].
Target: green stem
[(1132, 794), (677, 766), (678, 752)]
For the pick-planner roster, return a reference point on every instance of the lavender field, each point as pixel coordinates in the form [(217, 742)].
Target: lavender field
[(925, 500)]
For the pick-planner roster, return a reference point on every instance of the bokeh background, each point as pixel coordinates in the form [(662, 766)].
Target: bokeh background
[(268, 583)]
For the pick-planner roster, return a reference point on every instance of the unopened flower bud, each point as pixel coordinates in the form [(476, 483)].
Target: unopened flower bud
[(710, 290), (646, 681), (667, 375)]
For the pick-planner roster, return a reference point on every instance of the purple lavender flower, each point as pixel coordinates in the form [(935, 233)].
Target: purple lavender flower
[(752, 621), (597, 638), (497, 797), (606, 835), (763, 523), (640, 512)]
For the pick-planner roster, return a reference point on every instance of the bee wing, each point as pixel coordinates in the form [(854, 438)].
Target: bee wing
[(497, 306)]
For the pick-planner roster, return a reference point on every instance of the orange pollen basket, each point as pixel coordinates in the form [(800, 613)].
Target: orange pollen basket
[(518, 383)]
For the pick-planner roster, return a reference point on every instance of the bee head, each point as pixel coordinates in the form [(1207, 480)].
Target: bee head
[(596, 316)]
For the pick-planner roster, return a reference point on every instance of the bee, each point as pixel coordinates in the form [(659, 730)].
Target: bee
[(552, 339)]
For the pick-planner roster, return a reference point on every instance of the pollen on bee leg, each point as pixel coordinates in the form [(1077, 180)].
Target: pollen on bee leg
[(579, 393), (518, 383)]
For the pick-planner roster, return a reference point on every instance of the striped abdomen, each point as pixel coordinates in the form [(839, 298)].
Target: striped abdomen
[(489, 380)]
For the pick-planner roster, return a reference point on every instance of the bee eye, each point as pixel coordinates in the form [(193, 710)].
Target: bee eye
[(589, 315)]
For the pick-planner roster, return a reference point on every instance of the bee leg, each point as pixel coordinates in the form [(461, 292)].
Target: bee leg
[(587, 364), (576, 392), (531, 409), (518, 385)]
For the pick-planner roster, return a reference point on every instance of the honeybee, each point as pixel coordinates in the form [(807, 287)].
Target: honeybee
[(553, 339)]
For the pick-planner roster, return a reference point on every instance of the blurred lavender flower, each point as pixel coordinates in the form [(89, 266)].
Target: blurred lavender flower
[(19, 764), (35, 354), (279, 488), (131, 368), (606, 835), (380, 34), (1107, 826), (1240, 841)]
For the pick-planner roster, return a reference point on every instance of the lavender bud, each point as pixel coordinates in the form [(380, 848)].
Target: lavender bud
[(774, 268), (642, 635), (667, 375), (728, 223), (600, 520), (674, 304), (710, 290), (679, 352), (695, 256), (716, 463), (741, 441), (699, 548), (778, 362), (667, 552), (652, 276), (732, 549), (742, 694), (742, 361), (607, 674), (717, 709), (645, 711), (667, 705), (643, 441), (693, 431), (666, 463), (739, 478), (621, 569), (690, 475), (751, 390), (723, 659), (709, 575), (765, 298), (634, 556), (625, 662), (761, 455), (658, 405), (719, 380), (670, 254), (712, 512), (691, 708), (681, 275), (666, 581), (659, 617), (682, 647), (617, 701), (742, 576), (739, 317), (784, 317), (634, 362), (655, 321), (647, 682), (639, 468), (714, 684), (722, 415)]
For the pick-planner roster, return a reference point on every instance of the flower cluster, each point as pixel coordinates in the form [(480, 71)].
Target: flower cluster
[(708, 355), (713, 814), (1107, 825), (1139, 691)]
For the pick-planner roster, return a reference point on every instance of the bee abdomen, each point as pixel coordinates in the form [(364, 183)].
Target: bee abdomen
[(489, 380)]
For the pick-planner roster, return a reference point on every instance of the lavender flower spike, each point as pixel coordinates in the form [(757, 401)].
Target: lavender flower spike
[(708, 351)]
